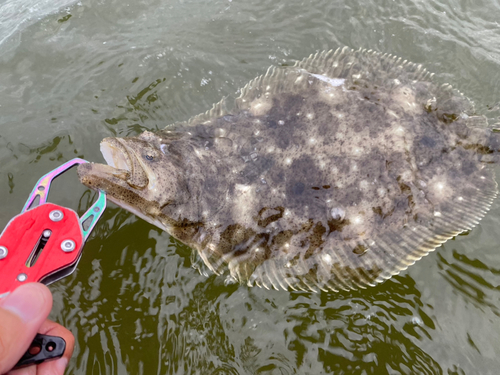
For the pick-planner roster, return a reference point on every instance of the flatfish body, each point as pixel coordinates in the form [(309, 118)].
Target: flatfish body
[(333, 174)]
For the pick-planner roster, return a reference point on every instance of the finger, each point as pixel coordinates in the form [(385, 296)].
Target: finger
[(58, 366), (29, 370), (22, 313), (54, 367)]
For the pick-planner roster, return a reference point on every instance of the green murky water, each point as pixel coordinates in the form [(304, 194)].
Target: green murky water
[(72, 73)]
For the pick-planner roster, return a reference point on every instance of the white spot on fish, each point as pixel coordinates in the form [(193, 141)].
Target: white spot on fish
[(392, 113), (437, 214), (310, 116), (281, 122), (357, 220), (338, 213), (327, 259), (381, 192), (288, 161), (331, 81), (364, 185)]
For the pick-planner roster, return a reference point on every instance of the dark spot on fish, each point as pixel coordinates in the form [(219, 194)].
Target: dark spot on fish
[(315, 239), (359, 250), (280, 239), (378, 210), (268, 215), (358, 127), (447, 118), (427, 141), (272, 123), (233, 235), (337, 225), (468, 167), (480, 149), (405, 189), (298, 188), (283, 141), (293, 104)]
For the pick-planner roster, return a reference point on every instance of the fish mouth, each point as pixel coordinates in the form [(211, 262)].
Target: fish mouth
[(119, 155), (116, 154), (124, 168)]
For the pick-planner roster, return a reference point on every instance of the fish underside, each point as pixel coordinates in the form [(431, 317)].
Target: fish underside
[(333, 174)]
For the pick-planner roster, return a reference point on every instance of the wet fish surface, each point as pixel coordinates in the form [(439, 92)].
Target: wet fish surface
[(334, 174)]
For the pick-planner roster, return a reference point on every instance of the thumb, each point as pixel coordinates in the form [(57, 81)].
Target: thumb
[(22, 313)]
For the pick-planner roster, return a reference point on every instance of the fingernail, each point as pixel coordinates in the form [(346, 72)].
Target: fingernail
[(26, 301), (61, 365)]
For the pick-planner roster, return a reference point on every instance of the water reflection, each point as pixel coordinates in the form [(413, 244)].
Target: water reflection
[(475, 281), (365, 332)]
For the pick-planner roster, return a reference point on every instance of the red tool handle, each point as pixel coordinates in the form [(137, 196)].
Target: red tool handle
[(37, 243)]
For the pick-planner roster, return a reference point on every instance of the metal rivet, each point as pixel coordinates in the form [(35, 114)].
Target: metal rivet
[(47, 233), (3, 252), (68, 246), (22, 277), (56, 215)]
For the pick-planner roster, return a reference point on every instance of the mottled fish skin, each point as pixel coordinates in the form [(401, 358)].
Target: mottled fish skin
[(335, 174)]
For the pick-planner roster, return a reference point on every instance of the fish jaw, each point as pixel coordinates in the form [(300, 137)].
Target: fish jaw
[(121, 154), (115, 153), (113, 181)]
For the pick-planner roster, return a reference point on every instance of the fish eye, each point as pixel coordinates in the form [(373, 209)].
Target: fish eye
[(149, 157)]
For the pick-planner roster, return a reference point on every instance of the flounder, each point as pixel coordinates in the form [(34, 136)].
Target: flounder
[(333, 174)]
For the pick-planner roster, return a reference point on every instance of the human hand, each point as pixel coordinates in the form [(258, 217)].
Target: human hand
[(23, 314)]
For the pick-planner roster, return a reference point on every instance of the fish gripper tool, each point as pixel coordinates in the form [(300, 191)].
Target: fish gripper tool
[(44, 244)]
